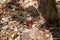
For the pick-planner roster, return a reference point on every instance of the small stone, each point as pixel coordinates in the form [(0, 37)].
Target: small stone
[(15, 29), (18, 38)]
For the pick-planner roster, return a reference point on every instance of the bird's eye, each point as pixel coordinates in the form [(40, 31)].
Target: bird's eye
[(28, 16)]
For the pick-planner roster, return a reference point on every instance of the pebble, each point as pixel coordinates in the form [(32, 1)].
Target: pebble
[(15, 29), (18, 38)]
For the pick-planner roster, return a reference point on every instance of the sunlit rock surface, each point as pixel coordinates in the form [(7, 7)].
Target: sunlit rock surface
[(36, 34)]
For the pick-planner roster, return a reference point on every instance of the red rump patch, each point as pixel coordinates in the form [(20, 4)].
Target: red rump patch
[(29, 23)]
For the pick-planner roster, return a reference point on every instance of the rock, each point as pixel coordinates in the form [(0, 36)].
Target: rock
[(18, 38), (48, 10), (35, 34)]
